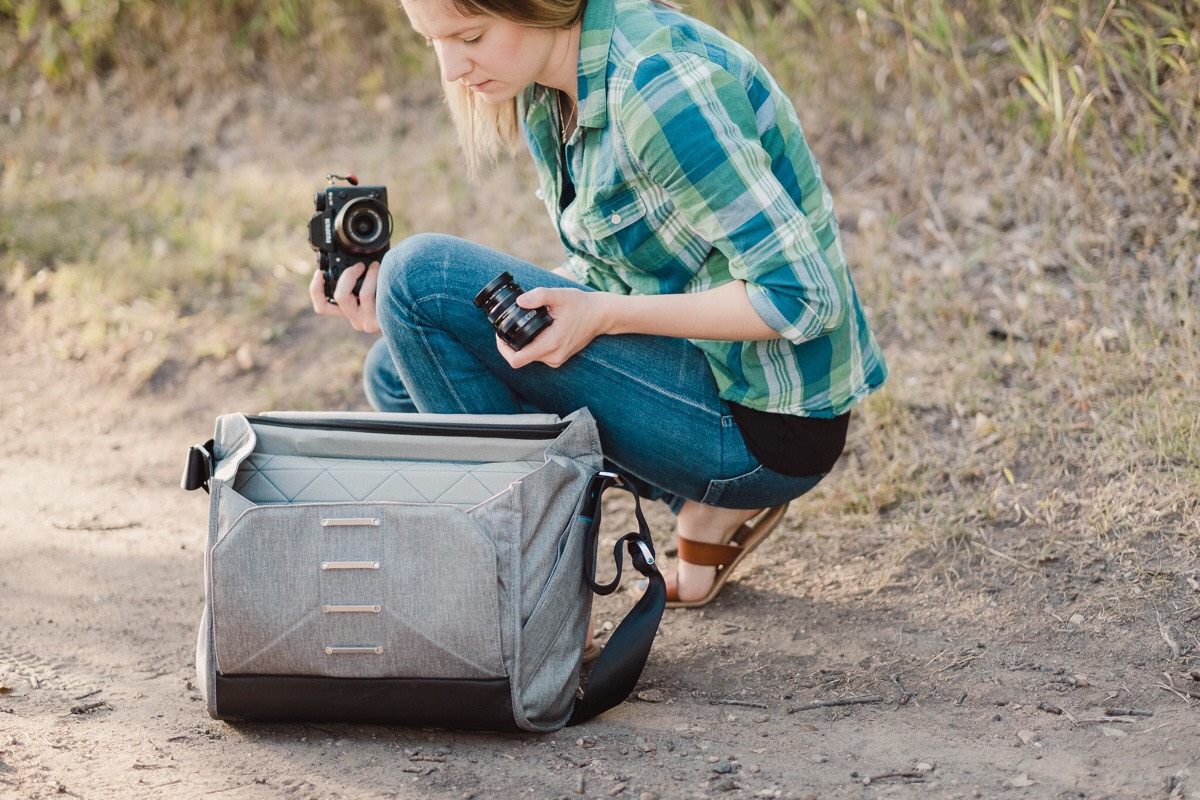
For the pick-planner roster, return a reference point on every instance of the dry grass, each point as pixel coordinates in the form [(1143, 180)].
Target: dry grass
[(1019, 185)]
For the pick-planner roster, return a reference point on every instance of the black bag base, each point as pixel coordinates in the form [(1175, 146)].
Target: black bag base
[(484, 705)]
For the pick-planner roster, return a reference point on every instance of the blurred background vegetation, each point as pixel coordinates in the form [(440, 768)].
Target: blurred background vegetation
[(1019, 184)]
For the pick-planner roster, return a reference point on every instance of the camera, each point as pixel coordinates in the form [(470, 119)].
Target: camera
[(517, 326), (352, 224)]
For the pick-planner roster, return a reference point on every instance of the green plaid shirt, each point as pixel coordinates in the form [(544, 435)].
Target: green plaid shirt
[(691, 170)]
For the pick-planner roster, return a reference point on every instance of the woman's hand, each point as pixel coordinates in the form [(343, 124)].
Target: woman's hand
[(360, 309), (578, 316)]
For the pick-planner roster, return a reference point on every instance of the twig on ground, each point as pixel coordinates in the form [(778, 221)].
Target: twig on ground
[(1164, 630), (84, 526), (1057, 710), (960, 661), (1009, 558), (85, 708), (904, 774), (842, 701), (1183, 694), (745, 703), (905, 694), (1127, 712)]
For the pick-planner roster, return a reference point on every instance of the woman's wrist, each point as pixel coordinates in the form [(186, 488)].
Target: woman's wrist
[(723, 313)]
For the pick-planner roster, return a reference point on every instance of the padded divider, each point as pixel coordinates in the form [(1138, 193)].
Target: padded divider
[(264, 478), (319, 443)]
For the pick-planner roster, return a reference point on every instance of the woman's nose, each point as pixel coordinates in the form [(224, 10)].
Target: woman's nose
[(454, 63)]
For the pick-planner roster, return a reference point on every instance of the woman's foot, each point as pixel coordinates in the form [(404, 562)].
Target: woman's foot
[(701, 523), (712, 542)]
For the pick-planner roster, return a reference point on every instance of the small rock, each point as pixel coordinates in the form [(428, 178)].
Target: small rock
[(923, 766), (1021, 781), (1115, 733), (647, 796), (761, 718), (1076, 619), (651, 696), (1029, 737), (820, 759), (244, 358), (722, 767), (725, 784)]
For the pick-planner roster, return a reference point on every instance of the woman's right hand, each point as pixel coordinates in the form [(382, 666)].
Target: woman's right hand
[(360, 309)]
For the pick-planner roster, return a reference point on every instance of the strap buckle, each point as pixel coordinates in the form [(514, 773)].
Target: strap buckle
[(199, 467)]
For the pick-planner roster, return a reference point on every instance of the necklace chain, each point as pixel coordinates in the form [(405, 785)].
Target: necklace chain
[(567, 120)]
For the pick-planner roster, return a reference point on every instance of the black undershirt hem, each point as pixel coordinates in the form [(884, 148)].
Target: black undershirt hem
[(800, 447)]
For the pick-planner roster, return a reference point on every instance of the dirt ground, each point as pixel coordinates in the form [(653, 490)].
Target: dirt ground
[(973, 688)]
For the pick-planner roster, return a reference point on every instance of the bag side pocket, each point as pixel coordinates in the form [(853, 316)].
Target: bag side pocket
[(552, 637), (356, 590)]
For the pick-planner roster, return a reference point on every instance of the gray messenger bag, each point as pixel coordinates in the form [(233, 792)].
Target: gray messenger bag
[(415, 569)]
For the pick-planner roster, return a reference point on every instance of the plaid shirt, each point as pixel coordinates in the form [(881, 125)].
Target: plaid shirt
[(691, 170)]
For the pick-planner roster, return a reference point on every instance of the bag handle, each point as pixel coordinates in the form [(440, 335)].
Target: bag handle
[(616, 671)]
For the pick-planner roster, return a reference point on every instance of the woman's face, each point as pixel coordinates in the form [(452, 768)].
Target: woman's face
[(495, 58)]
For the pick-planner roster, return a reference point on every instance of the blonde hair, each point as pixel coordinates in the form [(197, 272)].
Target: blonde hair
[(486, 130)]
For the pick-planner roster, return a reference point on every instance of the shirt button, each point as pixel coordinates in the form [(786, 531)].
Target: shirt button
[(539, 194), (614, 219)]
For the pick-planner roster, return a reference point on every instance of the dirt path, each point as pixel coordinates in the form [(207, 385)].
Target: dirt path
[(981, 689)]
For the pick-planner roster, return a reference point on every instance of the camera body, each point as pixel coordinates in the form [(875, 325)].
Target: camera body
[(352, 224)]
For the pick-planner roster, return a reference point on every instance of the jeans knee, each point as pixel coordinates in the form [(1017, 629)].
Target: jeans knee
[(421, 256)]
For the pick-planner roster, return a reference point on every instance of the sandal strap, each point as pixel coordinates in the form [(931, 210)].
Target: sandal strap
[(705, 554)]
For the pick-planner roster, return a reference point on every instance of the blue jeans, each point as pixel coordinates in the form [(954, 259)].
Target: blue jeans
[(654, 398)]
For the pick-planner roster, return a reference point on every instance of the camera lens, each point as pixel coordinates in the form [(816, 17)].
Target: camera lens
[(363, 225), (517, 326)]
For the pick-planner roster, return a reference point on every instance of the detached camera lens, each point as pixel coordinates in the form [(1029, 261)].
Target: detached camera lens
[(517, 326)]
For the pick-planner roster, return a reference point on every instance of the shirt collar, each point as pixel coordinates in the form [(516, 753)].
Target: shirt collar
[(595, 40)]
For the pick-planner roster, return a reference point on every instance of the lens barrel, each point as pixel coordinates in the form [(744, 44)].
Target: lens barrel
[(516, 326), (363, 225)]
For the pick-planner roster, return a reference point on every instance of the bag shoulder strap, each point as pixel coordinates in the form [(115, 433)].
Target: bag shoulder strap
[(616, 671)]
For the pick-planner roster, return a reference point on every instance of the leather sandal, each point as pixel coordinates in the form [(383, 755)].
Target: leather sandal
[(591, 652), (723, 556)]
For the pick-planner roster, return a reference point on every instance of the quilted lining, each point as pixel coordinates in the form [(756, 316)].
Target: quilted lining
[(265, 478)]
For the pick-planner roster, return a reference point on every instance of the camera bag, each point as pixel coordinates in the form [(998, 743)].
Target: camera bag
[(415, 569)]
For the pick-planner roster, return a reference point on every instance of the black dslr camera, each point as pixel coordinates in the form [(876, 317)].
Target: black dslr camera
[(352, 224)]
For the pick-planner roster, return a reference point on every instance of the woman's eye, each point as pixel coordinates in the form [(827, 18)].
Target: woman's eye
[(473, 39)]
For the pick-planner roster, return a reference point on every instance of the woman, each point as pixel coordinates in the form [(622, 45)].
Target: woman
[(705, 313)]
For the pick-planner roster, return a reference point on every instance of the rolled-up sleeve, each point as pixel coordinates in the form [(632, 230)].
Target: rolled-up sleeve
[(692, 126)]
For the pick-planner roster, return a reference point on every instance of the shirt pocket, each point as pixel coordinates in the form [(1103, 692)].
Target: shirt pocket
[(620, 230)]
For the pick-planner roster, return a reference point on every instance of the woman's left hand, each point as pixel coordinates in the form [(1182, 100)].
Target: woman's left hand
[(578, 318)]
